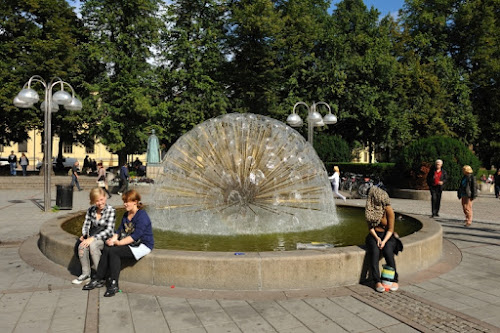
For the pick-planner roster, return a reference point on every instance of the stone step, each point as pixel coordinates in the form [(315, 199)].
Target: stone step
[(37, 181)]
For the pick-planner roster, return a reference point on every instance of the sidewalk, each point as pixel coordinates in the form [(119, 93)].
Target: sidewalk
[(459, 294)]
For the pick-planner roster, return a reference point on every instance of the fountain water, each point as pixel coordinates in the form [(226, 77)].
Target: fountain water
[(242, 174)]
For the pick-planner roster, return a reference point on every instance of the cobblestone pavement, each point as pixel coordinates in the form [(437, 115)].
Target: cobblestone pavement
[(459, 294)]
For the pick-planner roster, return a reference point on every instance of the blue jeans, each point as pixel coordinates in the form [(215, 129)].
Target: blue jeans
[(13, 168), (74, 181)]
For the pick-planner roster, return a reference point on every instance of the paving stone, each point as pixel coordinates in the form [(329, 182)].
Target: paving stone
[(179, 314), (147, 314), (245, 316), (279, 318), (310, 316)]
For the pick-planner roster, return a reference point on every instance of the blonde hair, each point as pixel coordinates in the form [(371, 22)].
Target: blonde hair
[(95, 194), (467, 169), (132, 195), (336, 169)]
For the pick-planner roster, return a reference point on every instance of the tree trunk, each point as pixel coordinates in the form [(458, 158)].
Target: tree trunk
[(122, 157)]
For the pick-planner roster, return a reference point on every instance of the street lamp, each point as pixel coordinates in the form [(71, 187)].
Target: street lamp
[(313, 118), (27, 97)]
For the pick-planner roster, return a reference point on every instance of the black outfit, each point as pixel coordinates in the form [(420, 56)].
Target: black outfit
[(497, 184), (390, 248), (436, 190)]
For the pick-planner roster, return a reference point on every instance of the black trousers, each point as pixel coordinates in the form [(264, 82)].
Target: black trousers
[(436, 199), (111, 261), (374, 255)]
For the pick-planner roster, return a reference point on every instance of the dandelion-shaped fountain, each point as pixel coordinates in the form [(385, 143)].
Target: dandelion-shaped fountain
[(242, 174)]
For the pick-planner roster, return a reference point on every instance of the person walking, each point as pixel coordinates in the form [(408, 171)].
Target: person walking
[(467, 192), (13, 163), (124, 177), (102, 182), (24, 161), (74, 176), (436, 178), (496, 180), (335, 179)]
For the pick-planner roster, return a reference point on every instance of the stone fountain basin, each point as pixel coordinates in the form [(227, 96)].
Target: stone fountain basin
[(287, 270)]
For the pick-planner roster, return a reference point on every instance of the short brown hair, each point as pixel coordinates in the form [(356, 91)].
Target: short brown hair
[(132, 195)]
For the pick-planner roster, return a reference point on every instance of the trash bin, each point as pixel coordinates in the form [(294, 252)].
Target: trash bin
[(64, 196)]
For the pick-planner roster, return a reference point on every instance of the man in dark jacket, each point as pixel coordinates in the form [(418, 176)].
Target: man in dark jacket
[(436, 178), (13, 163), (124, 177)]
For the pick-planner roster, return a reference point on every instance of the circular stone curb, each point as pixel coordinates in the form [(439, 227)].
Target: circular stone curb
[(259, 271)]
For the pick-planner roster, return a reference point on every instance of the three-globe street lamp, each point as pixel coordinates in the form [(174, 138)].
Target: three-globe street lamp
[(27, 97), (313, 118)]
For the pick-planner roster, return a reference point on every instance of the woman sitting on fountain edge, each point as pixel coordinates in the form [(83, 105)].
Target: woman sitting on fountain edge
[(380, 218), (133, 239)]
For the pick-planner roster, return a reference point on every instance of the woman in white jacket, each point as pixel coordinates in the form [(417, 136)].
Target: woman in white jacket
[(335, 179)]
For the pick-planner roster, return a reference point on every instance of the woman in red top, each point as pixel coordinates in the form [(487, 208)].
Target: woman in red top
[(436, 178)]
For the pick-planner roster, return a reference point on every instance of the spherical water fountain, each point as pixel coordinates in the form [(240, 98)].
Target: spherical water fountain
[(242, 174), (245, 174)]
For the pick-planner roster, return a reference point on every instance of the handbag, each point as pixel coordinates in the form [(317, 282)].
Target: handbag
[(101, 182), (94, 230)]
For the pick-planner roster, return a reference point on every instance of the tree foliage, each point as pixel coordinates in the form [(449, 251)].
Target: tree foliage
[(122, 36), (38, 38), (421, 154), (170, 65)]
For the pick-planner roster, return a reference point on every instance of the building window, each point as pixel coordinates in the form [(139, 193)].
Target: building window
[(67, 148), (22, 147), (89, 150)]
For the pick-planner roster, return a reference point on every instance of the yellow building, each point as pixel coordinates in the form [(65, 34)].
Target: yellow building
[(33, 148)]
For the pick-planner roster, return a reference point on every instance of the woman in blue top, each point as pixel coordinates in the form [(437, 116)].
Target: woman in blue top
[(133, 239)]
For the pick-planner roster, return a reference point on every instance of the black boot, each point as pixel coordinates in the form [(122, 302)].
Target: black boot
[(112, 289), (94, 283)]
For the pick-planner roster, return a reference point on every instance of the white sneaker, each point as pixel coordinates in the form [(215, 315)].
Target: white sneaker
[(82, 278), (119, 193)]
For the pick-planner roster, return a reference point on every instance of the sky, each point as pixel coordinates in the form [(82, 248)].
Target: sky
[(384, 6)]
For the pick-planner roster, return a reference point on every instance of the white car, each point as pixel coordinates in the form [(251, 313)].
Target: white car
[(67, 162), (4, 161)]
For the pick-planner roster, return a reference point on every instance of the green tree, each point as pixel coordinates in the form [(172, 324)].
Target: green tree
[(416, 159), (254, 43), (369, 112), (475, 38), (122, 37), (193, 57), (332, 148), (38, 37), (435, 93)]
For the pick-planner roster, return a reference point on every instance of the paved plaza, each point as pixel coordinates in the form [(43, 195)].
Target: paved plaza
[(461, 293)]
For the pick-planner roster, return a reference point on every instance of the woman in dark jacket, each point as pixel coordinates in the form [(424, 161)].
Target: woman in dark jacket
[(133, 239), (467, 192)]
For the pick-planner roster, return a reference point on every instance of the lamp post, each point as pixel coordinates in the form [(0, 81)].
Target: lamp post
[(27, 97), (313, 118)]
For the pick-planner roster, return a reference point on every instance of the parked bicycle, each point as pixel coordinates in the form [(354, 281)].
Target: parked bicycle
[(369, 182)]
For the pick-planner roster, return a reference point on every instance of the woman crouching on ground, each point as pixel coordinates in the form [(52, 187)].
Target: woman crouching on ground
[(98, 226), (380, 218), (133, 239)]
